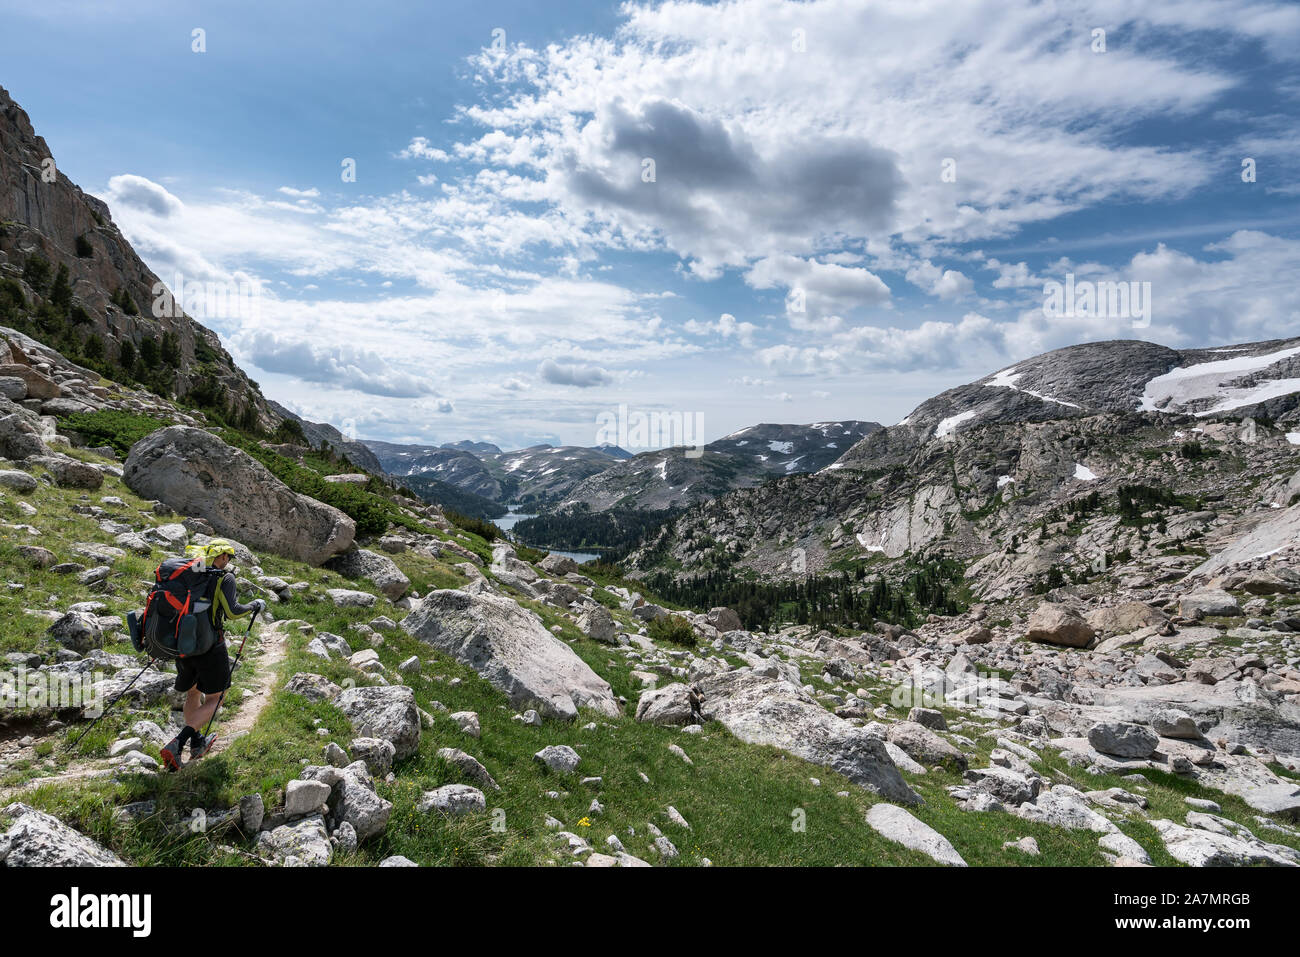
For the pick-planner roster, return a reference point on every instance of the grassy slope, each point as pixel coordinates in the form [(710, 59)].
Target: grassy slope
[(740, 800)]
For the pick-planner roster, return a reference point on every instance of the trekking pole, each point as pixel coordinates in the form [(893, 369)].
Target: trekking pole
[(239, 654), (110, 705)]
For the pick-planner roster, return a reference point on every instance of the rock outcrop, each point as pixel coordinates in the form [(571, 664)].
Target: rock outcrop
[(511, 649), (762, 710), (197, 474)]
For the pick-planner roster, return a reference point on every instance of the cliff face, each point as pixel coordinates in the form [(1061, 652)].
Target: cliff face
[(43, 214)]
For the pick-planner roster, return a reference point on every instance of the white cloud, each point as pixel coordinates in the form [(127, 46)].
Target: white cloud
[(576, 374), (420, 148), (944, 283), (760, 150), (143, 194), (341, 366)]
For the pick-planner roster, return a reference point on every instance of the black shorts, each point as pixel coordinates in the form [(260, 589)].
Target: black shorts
[(210, 671)]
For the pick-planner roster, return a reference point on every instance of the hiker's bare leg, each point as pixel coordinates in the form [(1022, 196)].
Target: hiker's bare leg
[(199, 708)]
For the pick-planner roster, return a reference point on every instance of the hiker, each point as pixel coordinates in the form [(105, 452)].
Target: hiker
[(204, 678)]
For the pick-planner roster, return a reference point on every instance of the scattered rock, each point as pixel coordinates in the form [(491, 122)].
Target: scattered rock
[(896, 824), (453, 799), (1055, 624), (559, 757)]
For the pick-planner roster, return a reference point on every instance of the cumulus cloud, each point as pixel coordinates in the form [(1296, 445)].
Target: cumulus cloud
[(944, 283), (338, 365), (818, 294), (710, 190), (141, 193), (727, 327), (575, 374), (763, 149), (420, 148)]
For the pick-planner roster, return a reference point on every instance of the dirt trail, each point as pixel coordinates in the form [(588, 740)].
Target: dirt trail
[(264, 652), (265, 658)]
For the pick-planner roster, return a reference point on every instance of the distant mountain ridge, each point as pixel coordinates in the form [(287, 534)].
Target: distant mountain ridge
[(671, 478), (1117, 376), (546, 476)]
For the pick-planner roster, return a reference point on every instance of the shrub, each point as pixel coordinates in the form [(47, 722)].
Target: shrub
[(149, 353), (533, 555), (289, 431), (673, 628), (12, 301), (36, 272), (171, 350), (84, 249), (121, 430), (61, 290), (94, 347), (122, 299), (1194, 451)]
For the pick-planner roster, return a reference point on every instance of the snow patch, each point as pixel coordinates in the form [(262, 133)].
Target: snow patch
[(1083, 473), (785, 448), (1203, 380), (862, 540), (1293, 438), (947, 425), (1004, 480), (1006, 379)]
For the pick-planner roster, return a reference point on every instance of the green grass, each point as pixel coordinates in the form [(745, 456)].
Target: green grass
[(743, 802)]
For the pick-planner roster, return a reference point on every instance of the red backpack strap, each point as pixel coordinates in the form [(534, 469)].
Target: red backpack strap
[(184, 568)]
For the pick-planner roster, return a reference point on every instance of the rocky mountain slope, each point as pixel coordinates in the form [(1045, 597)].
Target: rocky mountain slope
[(455, 466), (1024, 469), (320, 434), (69, 277), (411, 682)]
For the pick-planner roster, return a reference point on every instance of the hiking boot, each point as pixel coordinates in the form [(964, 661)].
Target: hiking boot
[(171, 754), (201, 745)]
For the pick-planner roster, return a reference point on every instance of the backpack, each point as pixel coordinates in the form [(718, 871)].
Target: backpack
[(177, 620)]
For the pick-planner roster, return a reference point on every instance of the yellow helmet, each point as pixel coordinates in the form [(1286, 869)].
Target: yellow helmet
[(205, 555), (218, 547)]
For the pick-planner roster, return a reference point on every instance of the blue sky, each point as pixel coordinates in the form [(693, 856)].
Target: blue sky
[(502, 269)]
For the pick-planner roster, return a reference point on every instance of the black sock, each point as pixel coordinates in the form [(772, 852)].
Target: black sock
[(186, 734)]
